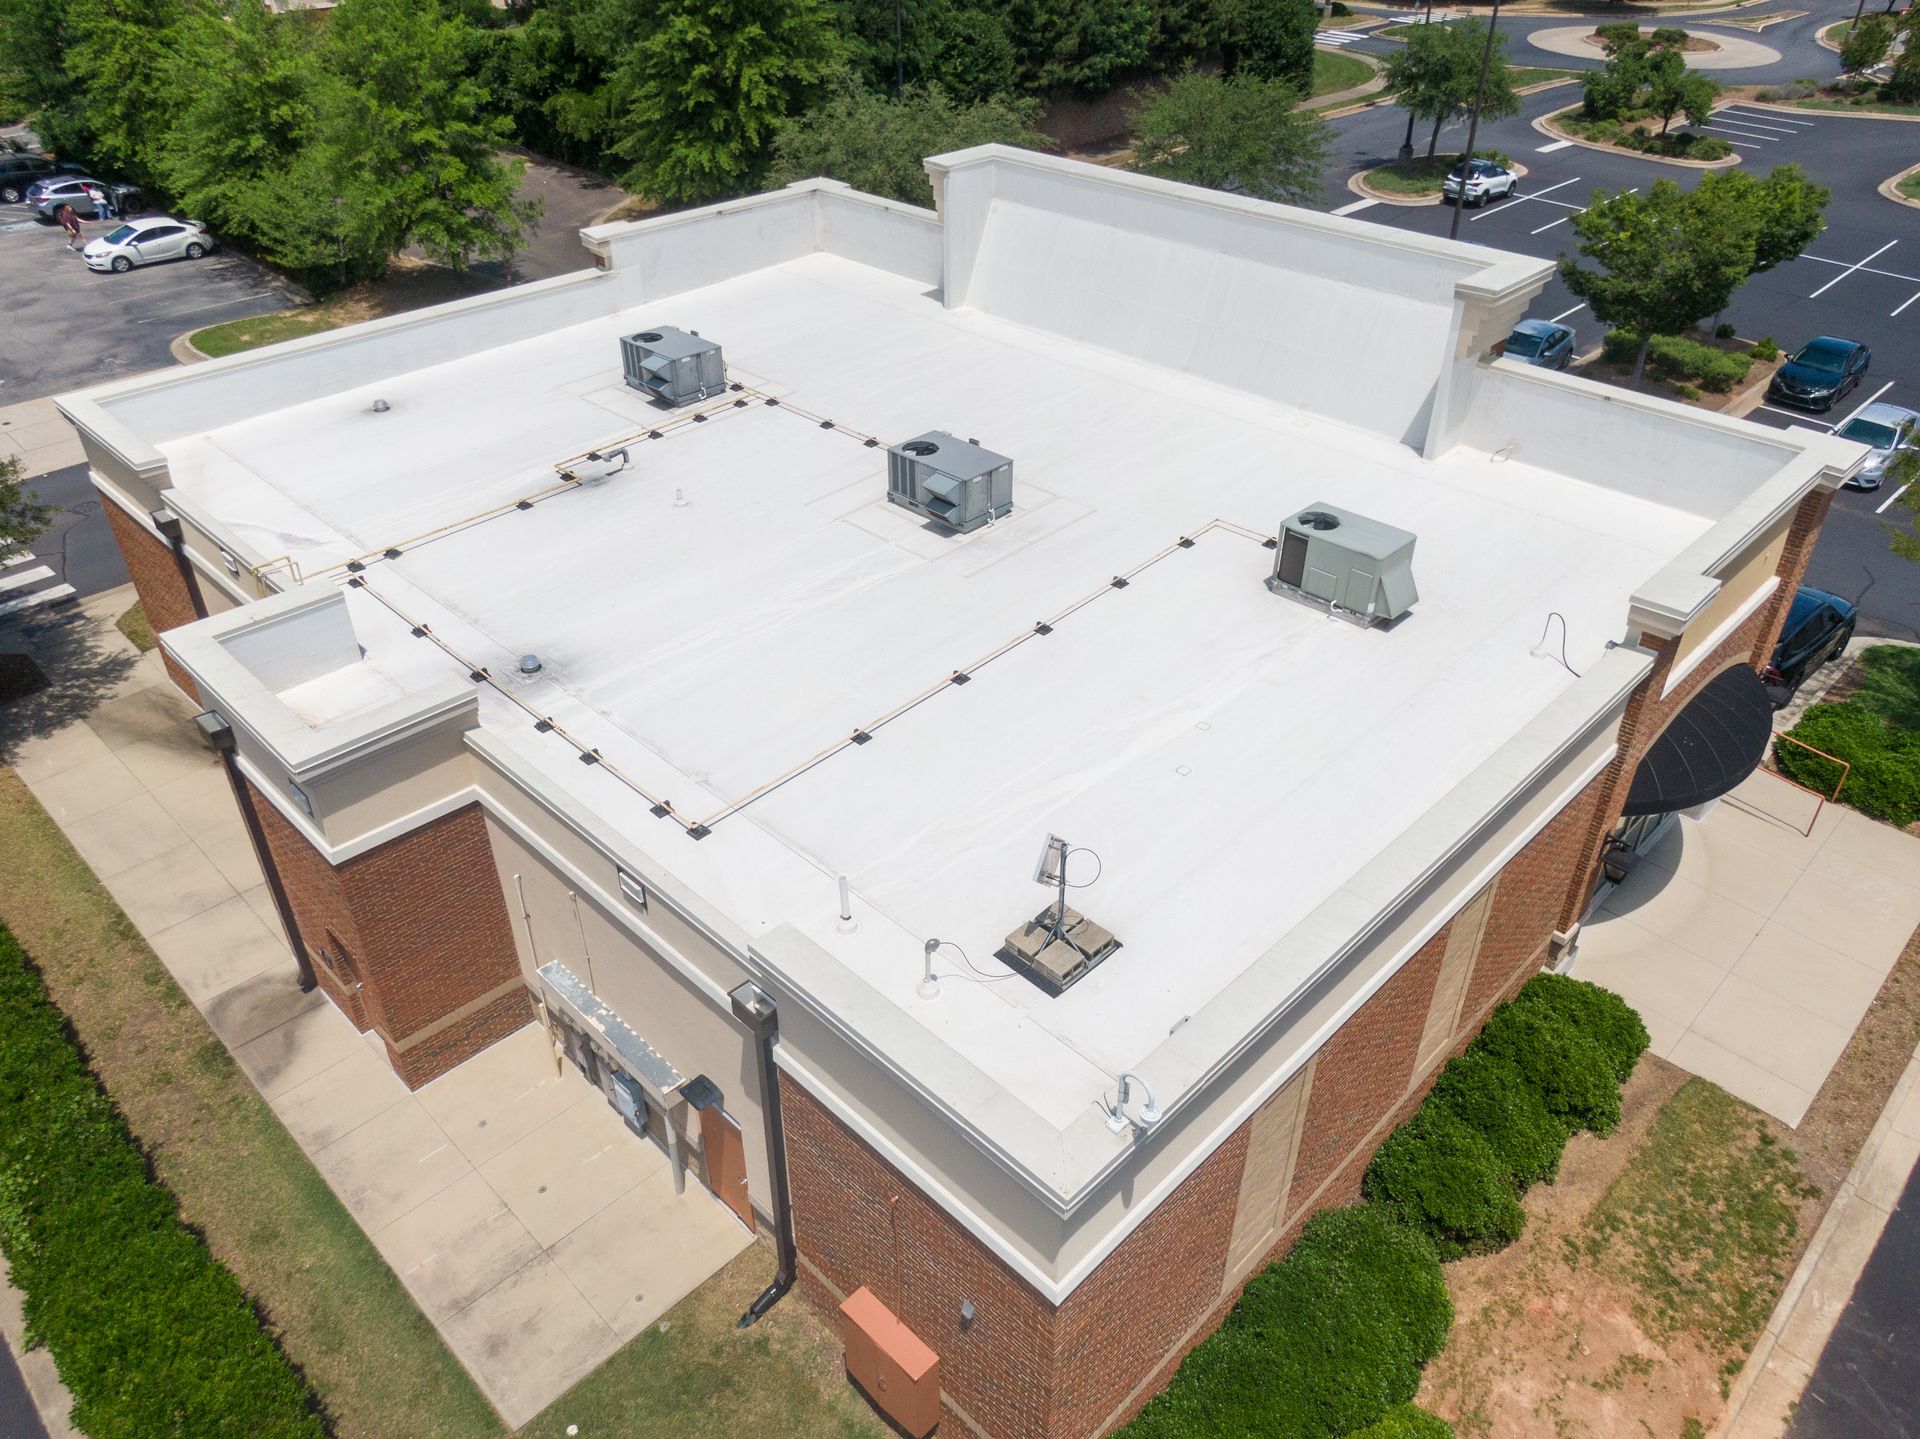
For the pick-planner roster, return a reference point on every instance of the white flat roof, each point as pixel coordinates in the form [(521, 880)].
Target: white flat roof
[(740, 598)]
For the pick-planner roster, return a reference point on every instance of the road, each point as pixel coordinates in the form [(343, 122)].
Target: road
[(18, 1418), (1859, 279), (1867, 1382)]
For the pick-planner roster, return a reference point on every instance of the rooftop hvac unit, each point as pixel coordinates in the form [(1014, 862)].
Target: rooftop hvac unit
[(1352, 566), (949, 480), (674, 366)]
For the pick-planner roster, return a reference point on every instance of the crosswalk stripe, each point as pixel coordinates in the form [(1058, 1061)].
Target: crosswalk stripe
[(37, 598), (20, 579)]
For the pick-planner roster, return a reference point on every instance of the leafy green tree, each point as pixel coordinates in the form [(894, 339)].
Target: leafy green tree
[(34, 38), (1669, 257), (1233, 133), (1673, 89), (969, 54), (23, 518), (1273, 40), (877, 144), (1784, 212), (710, 81), (1082, 45), (1867, 44), (1437, 76), (1903, 81), (121, 57)]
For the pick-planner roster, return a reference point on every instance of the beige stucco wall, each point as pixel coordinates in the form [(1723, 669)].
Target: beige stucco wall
[(1740, 579)]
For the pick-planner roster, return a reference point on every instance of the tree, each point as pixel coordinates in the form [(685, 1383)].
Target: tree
[(1272, 40), (1083, 45), (1783, 212), (1902, 84), (1672, 89), (1866, 44), (122, 56), (1437, 77), (1232, 133), (877, 144), (1670, 257), (23, 518), (711, 80)]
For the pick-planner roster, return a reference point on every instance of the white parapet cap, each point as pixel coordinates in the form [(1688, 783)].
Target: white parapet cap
[(777, 678)]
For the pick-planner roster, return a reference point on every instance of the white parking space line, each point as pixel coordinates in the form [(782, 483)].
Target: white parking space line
[(1863, 269), (1549, 149), (1888, 502), (170, 317), (1862, 405), (1776, 410), (1742, 127), (1541, 196), (1356, 207), (1739, 144), (1905, 303), (1769, 116), (1741, 118), (1577, 209), (1753, 138), (1550, 224), (1850, 269), (1564, 313)]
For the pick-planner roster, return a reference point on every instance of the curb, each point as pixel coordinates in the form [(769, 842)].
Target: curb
[(1820, 1287), (1837, 114), (1357, 182), (38, 1372), (182, 346), (1890, 187), (1541, 124)]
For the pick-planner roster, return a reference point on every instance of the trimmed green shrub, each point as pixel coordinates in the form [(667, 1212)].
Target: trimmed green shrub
[(1885, 778), (1328, 1340), (1675, 357), (153, 1335), (1406, 1421), (1573, 1074), (1766, 351), (1596, 1012), (1620, 347), (1493, 1097), (1436, 1173)]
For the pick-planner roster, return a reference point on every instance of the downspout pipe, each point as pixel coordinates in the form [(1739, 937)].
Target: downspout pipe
[(757, 1009), (174, 533), (219, 737)]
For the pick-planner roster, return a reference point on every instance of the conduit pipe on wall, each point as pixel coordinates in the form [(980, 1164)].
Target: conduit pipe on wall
[(756, 1009), (171, 530)]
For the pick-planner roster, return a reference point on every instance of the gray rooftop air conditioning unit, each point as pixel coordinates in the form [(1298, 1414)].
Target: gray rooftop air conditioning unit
[(949, 480), (674, 366), (1354, 567)]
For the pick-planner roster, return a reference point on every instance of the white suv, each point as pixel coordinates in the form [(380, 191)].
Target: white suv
[(1484, 180)]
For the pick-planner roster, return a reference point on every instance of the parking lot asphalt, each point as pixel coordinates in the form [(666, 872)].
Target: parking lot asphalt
[(68, 327), (1853, 280)]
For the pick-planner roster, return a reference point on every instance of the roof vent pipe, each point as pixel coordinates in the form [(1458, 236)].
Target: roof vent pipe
[(529, 664), (380, 407)]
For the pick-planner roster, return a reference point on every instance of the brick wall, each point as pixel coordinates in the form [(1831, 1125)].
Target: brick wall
[(411, 939), (157, 580)]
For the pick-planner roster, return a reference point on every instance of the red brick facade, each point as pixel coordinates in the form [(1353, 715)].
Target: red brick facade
[(1027, 1370), (157, 580), (411, 940)]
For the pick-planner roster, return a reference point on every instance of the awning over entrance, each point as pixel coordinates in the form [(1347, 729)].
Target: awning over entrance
[(1708, 748)]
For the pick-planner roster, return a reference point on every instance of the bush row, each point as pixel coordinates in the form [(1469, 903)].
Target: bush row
[(1331, 1340), (1678, 358), (1546, 1065), (1677, 144), (153, 1335), (1326, 1341)]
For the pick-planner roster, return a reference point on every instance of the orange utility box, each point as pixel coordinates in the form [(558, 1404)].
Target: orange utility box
[(889, 1361)]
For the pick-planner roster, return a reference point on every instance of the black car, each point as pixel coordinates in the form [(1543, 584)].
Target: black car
[(1823, 371), (19, 171), (1818, 627)]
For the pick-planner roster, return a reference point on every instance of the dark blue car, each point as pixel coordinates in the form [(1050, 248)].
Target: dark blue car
[(1823, 371), (1818, 627)]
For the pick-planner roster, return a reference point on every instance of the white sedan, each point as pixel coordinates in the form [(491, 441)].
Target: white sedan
[(140, 242)]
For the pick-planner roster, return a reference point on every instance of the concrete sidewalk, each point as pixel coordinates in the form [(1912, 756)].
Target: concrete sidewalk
[(1752, 949), (535, 1231), (37, 434)]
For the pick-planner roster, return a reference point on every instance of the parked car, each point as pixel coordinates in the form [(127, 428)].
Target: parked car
[(1818, 627), (1885, 429), (1543, 343), (1483, 180), (141, 242), (17, 172), (48, 194), (1823, 371)]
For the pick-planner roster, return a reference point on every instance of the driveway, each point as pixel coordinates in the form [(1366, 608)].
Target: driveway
[(68, 328), (1751, 946)]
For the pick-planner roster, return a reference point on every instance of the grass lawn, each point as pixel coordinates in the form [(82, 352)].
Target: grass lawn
[(1334, 71), (1524, 75), (1420, 175), (1910, 187), (323, 1291), (1704, 1221), (408, 285), (133, 624)]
